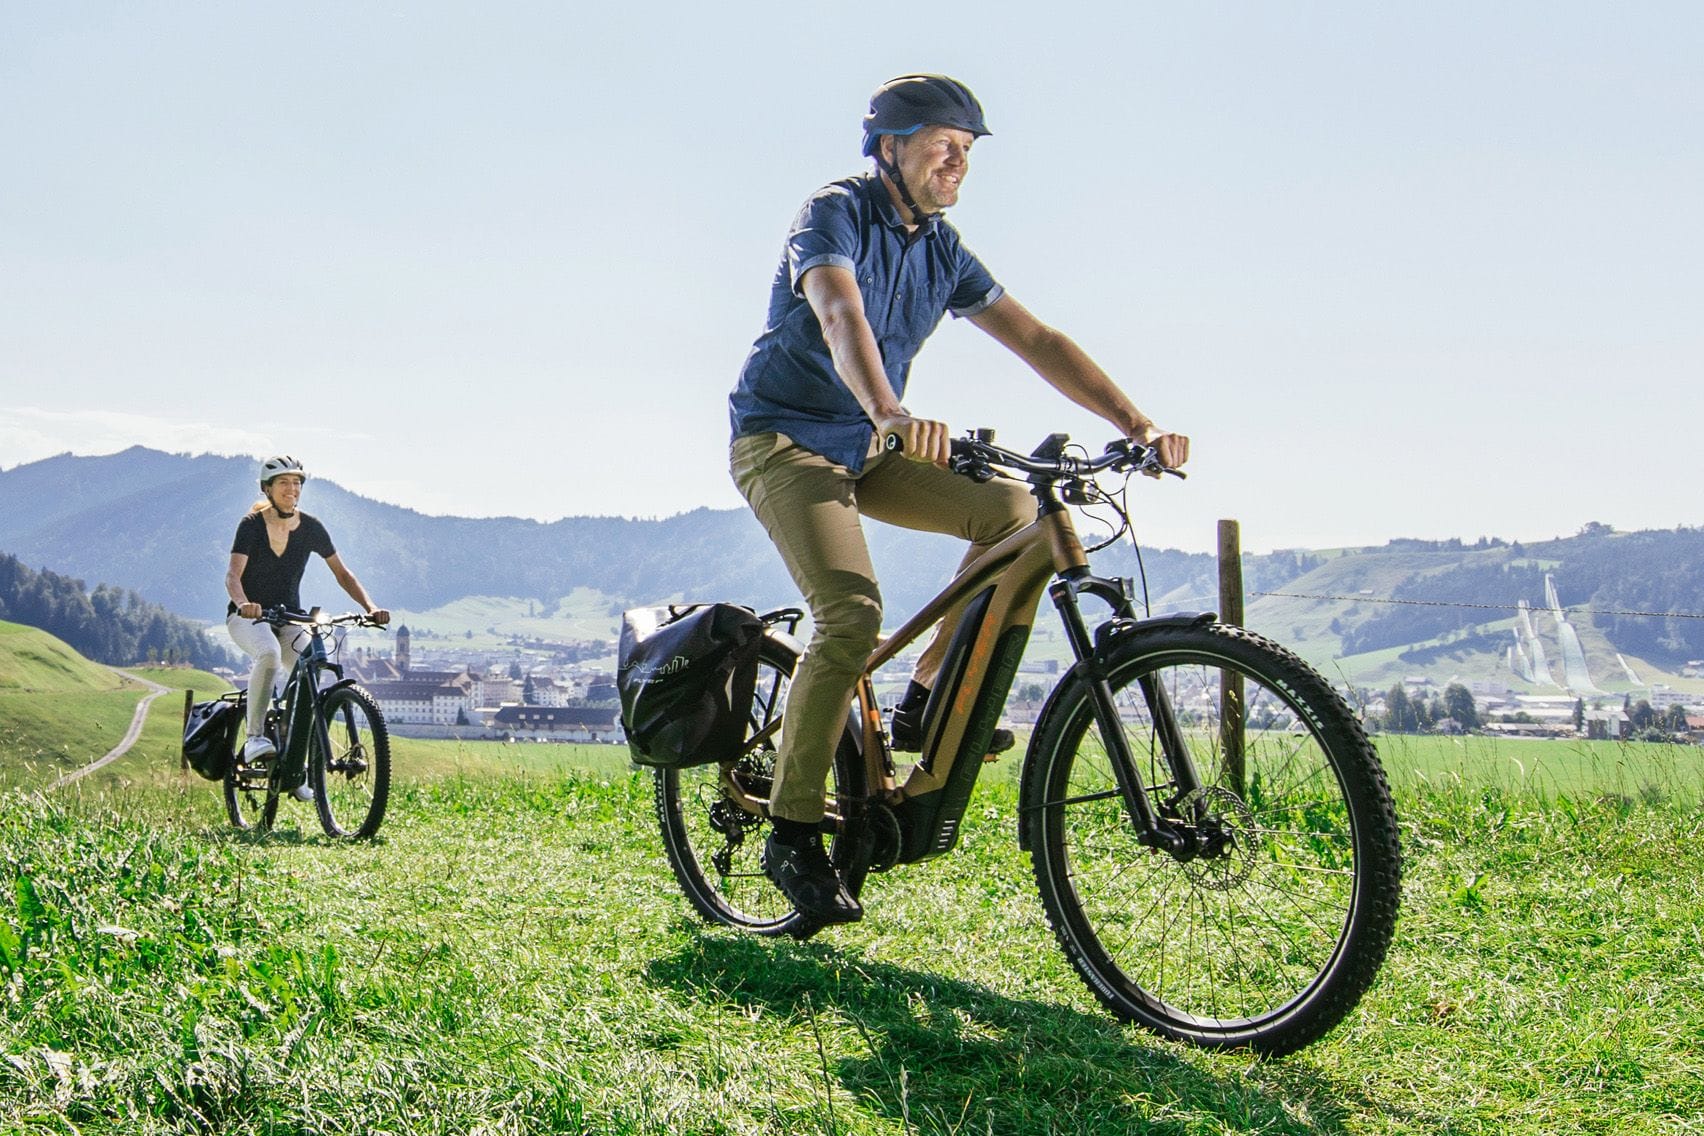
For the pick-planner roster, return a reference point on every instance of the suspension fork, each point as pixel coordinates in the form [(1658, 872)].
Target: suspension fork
[(1151, 828), (1172, 744)]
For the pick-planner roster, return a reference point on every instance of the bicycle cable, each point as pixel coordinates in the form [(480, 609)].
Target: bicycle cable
[(1141, 565), (1093, 493), (1120, 505)]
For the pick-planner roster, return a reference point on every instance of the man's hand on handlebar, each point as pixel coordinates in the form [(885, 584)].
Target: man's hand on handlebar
[(920, 439), (379, 616), (1173, 449)]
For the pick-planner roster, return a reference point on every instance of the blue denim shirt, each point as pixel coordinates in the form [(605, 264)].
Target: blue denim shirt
[(788, 384)]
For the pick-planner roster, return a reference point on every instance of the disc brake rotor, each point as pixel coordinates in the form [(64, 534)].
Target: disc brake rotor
[(1228, 838)]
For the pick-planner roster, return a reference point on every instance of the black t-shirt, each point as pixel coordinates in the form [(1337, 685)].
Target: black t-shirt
[(271, 580)]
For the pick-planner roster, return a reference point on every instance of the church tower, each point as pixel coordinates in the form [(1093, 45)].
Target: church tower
[(402, 649)]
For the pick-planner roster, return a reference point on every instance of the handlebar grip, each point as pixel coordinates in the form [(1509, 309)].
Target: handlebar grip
[(893, 444)]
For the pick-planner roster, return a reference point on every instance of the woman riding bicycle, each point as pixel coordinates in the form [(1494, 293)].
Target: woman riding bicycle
[(268, 556)]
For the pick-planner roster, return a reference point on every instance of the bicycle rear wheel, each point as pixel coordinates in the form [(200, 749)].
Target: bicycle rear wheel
[(1270, 932), (351, 781), (714, 845), (251, 795)]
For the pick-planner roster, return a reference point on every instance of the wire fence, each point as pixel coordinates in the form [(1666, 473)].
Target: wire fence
[(1483, 606)]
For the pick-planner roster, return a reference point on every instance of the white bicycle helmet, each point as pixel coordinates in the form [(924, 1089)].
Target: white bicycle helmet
[(283, 463)]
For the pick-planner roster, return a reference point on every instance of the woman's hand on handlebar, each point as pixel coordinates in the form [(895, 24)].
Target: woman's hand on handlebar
[(248, 610), (920, 439)]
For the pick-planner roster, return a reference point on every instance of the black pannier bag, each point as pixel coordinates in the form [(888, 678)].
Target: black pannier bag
[(685, 675), (209, 735)]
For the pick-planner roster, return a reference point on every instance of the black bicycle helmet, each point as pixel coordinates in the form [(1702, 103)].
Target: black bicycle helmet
[(907, 104)]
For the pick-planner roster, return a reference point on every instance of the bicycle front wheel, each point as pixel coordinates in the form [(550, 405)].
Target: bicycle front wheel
[(1273, 923), (715, 846), (351, 780), (251, 795)]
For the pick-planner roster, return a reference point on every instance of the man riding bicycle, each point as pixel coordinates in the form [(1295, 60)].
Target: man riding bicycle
[(868, 269)]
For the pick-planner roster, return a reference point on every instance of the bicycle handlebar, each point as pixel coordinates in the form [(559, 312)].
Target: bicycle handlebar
[(316, 618), (974, 454)]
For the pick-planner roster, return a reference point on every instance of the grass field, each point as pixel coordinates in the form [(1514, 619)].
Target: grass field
[(1547, 771), (512, 956), (486, 622), (58, 711)]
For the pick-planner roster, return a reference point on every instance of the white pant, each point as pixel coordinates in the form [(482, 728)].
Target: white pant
[(275, 651)]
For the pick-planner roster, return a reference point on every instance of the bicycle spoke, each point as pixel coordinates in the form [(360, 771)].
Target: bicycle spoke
[(1227, 935)]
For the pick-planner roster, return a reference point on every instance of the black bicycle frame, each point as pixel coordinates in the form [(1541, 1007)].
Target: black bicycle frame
[(303, 696), (1093, 657)]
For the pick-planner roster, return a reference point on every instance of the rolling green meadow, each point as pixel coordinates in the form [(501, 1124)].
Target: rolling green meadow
[(511, 955)]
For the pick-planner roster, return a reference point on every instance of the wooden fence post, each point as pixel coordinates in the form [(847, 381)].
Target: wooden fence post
[(1230, 684), (188, 701)]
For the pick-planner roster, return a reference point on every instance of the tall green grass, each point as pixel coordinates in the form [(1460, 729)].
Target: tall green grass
[(1547, 771), (512, 955)]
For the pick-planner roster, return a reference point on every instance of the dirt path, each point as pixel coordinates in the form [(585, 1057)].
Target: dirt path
[(136, 723)]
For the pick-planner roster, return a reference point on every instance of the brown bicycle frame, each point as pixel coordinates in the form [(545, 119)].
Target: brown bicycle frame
[(1018, 569)]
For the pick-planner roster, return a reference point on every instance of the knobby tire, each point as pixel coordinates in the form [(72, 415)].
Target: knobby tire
[(1270, 940), (251, 794), (351, 782), (715, 847)]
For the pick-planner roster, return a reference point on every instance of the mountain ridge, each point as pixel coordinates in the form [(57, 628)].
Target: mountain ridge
[(161, 524)]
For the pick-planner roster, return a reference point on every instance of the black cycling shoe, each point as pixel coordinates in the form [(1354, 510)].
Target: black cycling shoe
[(808, 880), (906, 735)]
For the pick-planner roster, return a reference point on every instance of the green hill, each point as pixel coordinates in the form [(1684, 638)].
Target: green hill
[(34, 662), (59, 711), (160, 523), (1377, 615), (487, 621)]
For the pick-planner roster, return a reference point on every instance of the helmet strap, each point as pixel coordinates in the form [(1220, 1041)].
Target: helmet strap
[(282, 515), (921, 219)]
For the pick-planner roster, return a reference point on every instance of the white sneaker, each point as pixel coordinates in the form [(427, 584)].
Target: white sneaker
[(303, 792), (258, 746)]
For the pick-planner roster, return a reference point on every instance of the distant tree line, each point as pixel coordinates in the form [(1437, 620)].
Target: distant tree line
[(1414, 715), (108, 625), (1652, 725), (1647, 572)]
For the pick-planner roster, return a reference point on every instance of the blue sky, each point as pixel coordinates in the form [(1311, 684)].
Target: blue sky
[(1399, 270)]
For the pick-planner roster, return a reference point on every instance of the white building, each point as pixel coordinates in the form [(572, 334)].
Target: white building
[(559, 723), (546, 691), (429, 703), (494, 690)]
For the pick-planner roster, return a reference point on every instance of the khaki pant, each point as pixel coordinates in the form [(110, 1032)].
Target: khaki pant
[(811, 508)]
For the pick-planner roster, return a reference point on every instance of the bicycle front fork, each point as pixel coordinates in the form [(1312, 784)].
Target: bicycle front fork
[(1152, 829)]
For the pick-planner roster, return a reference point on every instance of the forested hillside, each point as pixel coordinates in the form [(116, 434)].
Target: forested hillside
[(109, 625), (1644, 591), (1627, 574)]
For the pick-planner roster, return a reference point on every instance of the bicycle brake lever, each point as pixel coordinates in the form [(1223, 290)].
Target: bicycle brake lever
[(968, 465)]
